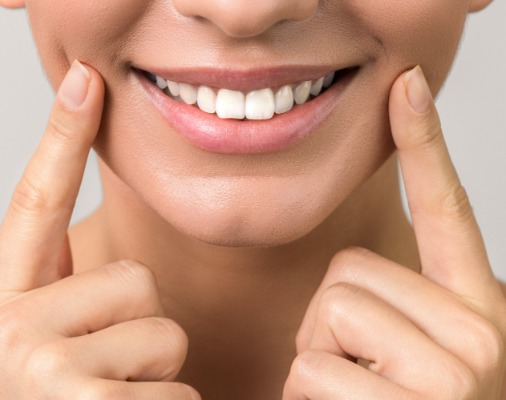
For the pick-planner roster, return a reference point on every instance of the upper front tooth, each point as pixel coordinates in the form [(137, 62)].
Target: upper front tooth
[(188, 93), (328, 80), (301, 92), (206, 99), (174, 88), (260, 104), (284, 99), (161, 83), (316, 87), (230, 104)]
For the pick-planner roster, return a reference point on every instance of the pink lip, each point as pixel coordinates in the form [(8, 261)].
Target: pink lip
[(213, 134), (245, 80)]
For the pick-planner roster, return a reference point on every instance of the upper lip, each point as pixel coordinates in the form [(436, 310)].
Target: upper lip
[(245, 79)]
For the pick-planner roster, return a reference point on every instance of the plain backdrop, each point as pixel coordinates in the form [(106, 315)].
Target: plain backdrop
[(472, 107)]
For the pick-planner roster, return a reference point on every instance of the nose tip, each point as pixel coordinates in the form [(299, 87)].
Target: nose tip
[(246, 18)]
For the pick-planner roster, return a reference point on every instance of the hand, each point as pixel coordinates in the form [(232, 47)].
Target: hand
[(439, 335), (95, 335)]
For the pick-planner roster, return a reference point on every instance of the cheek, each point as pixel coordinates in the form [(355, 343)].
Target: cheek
[(425, 32), (67, 29)]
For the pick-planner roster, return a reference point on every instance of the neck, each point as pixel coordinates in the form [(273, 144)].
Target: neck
[(229, 300)]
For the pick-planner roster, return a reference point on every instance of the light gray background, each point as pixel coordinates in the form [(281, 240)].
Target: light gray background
[(472, 107)]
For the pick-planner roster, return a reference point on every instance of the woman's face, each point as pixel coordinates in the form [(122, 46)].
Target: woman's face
[(237, 193)]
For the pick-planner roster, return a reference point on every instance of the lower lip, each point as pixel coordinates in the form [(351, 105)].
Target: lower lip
[(213, 134)]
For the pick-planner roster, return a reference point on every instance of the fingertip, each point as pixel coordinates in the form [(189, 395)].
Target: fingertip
[(410, 106), (94, 108), (417, 90), (81, 89), (97, 86), (77, 112)]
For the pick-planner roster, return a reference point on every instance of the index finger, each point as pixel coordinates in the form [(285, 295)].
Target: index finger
[(450, 243), (35, 225)]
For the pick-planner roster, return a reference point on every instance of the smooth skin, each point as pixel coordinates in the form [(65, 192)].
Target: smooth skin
[(100, 333), (59, 340)]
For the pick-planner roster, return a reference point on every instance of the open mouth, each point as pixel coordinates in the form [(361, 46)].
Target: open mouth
[(246, 111), (258, 104)]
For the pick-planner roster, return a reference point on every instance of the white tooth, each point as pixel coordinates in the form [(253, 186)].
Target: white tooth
[(230, 104), (328, 80), (284, 99), (174, 88), (301, 92), (161, 83), (188, 93), (206, 99), (260, 104), (316, 88)]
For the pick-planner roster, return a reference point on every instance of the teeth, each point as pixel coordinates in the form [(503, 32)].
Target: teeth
[(230, 104), (173, 88), (316, 87), (284, 99), (161, 83), (206, 99), (301, 92), (328, 80), (188, 93), (259, 104)]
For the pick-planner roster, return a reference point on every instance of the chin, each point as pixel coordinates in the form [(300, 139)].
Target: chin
[(240, 234), (244, 225)]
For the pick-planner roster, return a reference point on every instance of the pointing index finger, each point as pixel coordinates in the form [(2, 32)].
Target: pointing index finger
[(451, 246), (36, 222)]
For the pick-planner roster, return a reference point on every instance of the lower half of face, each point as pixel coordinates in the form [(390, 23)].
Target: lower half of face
[(239, 195)]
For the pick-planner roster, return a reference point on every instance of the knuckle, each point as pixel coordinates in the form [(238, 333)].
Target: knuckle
[(455, 204), (429, 135), (171, 334), (345, 260), (12, 329), (61, 127), (336, 299), (303, 368), (139, 277), (483, 336), (460, 381), (47, 362), (32, 197)]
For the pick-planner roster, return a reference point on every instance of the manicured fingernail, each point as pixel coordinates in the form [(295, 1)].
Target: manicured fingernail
[(417, 90), (74, 88)]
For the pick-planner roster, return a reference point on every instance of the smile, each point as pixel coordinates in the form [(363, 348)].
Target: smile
[(258, 110), (260, 104)]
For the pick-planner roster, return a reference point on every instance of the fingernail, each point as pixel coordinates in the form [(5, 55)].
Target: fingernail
[(417, 90), (74, 88)]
